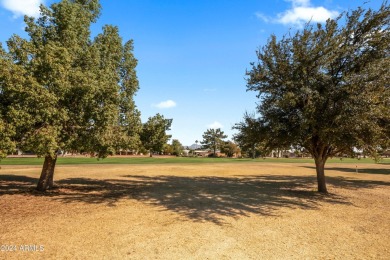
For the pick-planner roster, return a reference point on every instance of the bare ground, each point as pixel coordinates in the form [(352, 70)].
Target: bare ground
[(213, 211)]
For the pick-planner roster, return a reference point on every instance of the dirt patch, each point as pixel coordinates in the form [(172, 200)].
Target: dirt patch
[(208, 211)]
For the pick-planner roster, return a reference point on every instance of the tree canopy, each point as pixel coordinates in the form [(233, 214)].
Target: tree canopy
[(175, 148), (251, 134), (153, 134), (62, 90), (230, 149), (213, 139), (326, 87)]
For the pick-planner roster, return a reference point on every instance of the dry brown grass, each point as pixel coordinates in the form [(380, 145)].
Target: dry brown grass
[(216, 211)]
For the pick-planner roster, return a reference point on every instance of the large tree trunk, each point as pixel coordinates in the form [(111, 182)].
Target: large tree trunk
[(320, 169), (46, 180)]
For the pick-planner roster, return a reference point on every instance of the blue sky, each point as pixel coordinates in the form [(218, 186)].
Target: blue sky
[(193, 54)]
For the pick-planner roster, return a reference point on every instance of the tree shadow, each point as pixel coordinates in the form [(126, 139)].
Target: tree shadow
[(200, 199), (355, 170), (11, 184)]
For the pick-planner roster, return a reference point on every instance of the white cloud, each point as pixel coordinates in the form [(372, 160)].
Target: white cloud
[(215, 125), (300, 15), (165, 104), (22, 7), (301, 12), (263, 17)]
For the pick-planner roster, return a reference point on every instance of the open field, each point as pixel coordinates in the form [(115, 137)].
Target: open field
[(173, 160), (227, 210)]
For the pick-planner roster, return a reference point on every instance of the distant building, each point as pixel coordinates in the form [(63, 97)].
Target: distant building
[(202, 153)]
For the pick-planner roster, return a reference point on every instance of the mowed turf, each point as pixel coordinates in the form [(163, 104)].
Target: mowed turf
[(174, 160), (229, 210)]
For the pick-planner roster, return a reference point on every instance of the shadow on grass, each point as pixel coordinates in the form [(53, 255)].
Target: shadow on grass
[(353, 170), (196, 198), (11, 184)]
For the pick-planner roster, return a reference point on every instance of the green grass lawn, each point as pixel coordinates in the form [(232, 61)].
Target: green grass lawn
[(173, 160)]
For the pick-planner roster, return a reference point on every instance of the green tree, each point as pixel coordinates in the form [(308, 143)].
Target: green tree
[(60, 90), (177, 147), (167, 149), (6, 143), (153, 134), (230, 149), (326, 88), (213, 139), (251, 134), (126, 134)]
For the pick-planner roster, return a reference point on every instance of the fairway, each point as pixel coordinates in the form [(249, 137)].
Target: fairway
[(174, 160), (197, 211)]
